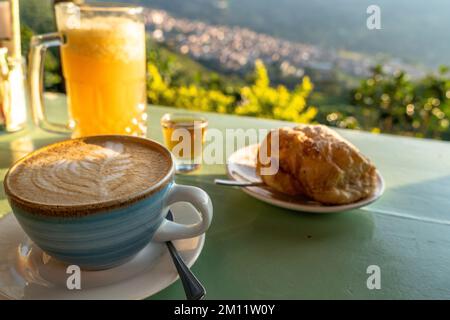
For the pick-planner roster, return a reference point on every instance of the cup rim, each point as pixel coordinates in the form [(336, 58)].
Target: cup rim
[(78, 210)]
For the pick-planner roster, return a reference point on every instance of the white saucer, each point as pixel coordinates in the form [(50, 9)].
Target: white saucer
[(28, 273), (241, 166)]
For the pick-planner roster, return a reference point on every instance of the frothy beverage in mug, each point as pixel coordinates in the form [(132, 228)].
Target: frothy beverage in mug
[(97, 201), (103, 62)]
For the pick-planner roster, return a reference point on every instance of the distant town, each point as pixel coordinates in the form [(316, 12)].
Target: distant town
[(235, 49)]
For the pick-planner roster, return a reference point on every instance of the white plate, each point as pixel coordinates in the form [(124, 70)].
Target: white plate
[(242, 166), (28, 273)]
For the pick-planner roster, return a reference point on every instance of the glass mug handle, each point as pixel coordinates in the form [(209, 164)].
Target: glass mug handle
[(169, 230), (38, 47)]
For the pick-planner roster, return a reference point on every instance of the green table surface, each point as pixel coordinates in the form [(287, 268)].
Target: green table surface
[(257, 251)]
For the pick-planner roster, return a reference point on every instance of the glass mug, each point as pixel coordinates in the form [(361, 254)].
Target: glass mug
[(103, 62)]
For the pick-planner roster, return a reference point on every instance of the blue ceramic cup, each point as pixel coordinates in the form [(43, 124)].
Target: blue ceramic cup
[(107, 234)]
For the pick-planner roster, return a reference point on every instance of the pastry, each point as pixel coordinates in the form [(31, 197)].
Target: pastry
[(316, 162)]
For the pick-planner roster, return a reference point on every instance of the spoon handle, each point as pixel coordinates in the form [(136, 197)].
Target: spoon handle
[(237, 183), (193, 289)]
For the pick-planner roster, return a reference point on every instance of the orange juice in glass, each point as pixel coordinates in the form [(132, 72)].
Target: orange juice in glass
[(103, 60)]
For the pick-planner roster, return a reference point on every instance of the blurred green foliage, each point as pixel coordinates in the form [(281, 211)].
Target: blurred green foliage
[(256, 99), (37, 15), (261, 100), (396, 104), (191, 96), (36, 18)]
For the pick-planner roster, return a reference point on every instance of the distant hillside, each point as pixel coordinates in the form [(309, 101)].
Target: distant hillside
[(414, 30)]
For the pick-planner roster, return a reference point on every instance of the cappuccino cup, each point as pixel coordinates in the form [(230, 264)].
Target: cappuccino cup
[(97, 201)]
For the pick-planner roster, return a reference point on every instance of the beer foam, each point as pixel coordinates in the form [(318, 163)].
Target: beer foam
[(76, 172), (107, 37)]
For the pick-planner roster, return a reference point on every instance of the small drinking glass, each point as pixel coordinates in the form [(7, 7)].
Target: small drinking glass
[(184, 136)]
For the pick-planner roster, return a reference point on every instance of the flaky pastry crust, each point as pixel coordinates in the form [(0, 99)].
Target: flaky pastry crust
[(316, 162)]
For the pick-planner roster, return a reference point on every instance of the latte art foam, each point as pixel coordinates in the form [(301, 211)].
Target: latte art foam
[(76, 172), (101, 174)]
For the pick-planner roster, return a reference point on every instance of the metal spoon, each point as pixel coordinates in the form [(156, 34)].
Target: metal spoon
[(193, 288), (238, 183)]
